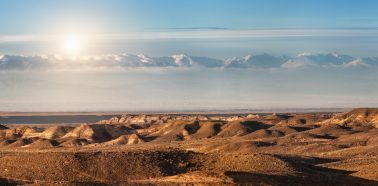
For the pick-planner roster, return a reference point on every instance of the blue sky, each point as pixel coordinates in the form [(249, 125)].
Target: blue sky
[(36, 27), (21, 20), (44, 16), (305, 37)]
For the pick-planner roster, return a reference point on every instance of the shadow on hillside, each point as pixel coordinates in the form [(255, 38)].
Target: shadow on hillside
[(299, 179), (10, 182), (308, 173), (255, 125)]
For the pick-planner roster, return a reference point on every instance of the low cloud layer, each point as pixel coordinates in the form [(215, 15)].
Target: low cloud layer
[(181, 82), (202, 33), (129, 61)]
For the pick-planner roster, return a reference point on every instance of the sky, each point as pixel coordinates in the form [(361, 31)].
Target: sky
[(196, 27), (44, 16), (187, 55)]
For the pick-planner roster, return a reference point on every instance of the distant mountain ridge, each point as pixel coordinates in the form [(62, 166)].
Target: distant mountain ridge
[(120, 61)]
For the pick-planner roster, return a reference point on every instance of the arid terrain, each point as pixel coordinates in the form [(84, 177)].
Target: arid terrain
[(319, 148)]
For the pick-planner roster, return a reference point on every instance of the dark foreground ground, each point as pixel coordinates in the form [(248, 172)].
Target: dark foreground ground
[(269, 149)]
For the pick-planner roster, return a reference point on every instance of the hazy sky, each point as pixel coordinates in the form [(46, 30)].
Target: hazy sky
[(47, 47), (221, 28), (45, 16)]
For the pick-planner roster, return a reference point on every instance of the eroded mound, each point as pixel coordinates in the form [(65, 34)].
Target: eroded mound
[(125, 140), (42, 144), (207, 130), (21, 143), (356, 117), (264, 149), (55, 132), (77, 142), (96, 132), (264, 133), (235, 147), (241, 128)]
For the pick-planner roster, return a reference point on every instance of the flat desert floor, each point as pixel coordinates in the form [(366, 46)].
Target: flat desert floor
[(191, 149)]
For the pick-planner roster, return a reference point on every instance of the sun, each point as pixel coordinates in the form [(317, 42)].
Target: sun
[(72, 45)]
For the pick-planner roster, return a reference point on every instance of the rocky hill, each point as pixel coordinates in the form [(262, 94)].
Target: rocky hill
[(356, 117), (261, 149)]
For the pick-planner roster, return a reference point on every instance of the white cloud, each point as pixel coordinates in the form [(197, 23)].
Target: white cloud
[(308, 60), (256, 61), (203, 33), (182, 60), (294, 64), (356, 63), (129, 61)]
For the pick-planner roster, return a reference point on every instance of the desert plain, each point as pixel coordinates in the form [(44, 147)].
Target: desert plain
[(318, 148)]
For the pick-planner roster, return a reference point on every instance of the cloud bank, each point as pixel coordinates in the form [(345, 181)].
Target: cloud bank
[(130, 61), (203, 33)]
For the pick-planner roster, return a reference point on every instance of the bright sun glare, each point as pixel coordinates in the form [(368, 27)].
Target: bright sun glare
[(72, 45)]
